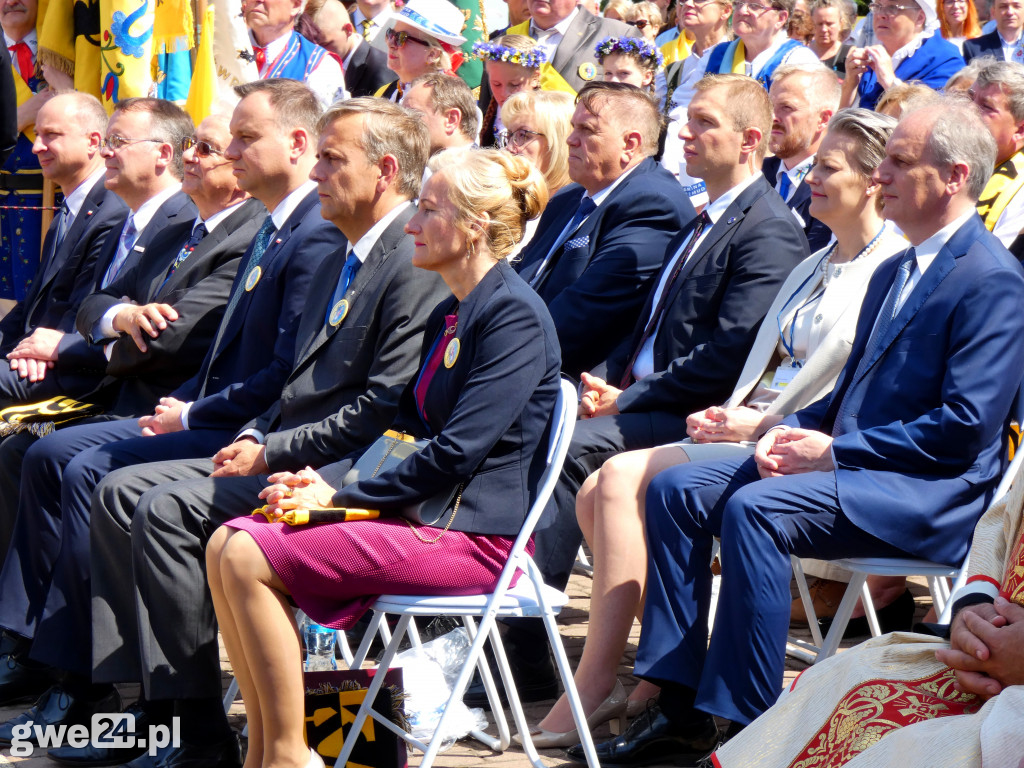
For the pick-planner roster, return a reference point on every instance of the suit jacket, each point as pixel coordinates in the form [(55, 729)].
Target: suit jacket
[(932, 64), (367, 71), (985, 45), (198, 289), (58, 287), (799, 203), (596, 288), (489, 412), (715, 306), (345, 381), (919, 446), (243, 373), (8, 106)]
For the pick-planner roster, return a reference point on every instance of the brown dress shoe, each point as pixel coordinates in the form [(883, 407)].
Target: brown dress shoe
[(825, 596)]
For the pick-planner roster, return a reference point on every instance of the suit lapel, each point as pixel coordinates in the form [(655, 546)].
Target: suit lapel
[(572, 38), (541, 246)]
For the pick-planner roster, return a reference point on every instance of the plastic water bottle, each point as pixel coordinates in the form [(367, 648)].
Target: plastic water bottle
[(320, 647)]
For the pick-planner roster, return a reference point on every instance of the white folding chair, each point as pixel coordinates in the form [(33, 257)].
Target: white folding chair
[(862, 567), (530, 597)]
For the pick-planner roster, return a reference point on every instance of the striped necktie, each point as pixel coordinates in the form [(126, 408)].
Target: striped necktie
[(124, 246)]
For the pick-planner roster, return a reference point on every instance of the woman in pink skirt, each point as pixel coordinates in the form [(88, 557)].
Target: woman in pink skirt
[(484, 396)]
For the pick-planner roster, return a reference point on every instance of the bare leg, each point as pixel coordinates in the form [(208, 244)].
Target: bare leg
[(884, 590), (263, 645), (611, 514)]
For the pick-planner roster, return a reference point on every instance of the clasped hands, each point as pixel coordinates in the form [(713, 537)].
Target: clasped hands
[(139, 321), (791, 451), (304, 489), (986, 648), (598, 398), (875, 57), (35, 354)]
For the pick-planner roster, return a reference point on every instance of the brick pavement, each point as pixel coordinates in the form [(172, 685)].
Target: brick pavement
[(467, 754)]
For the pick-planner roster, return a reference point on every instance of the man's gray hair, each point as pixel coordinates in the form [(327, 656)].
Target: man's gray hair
[(959, 135), (1009, 77)]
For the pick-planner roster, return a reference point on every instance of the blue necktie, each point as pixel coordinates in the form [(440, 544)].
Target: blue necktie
[(259, 247), (61, 229), (885, 317), (348, 274), (784, 186), (124, 246), (198, 233), (586, 207)]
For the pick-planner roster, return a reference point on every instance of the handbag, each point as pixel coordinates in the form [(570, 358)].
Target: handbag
[(387, 452)]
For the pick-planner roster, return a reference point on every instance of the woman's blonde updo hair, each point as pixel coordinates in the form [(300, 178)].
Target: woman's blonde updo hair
[(508, 188)]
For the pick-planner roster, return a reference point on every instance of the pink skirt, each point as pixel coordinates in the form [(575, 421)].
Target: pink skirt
[(335, 571)]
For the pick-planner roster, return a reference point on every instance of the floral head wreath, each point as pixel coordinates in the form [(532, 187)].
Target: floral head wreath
[(644, 51), (531, 59)]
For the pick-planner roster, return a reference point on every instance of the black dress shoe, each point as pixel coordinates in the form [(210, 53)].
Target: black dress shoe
[(20, 681), (897, 616), (92, 756), (224, 754), (58, 707), (653, 739)]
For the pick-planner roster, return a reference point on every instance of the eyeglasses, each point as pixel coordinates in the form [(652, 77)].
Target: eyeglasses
[(891, 10), (517, 138), (115, 142), (640, 24), (398, 39), (699, 3), (755, 9), (203, 148)]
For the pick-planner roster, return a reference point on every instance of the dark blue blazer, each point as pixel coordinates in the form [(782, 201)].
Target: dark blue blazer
[(932, 64), (596, 288), (243, 373), (489, 413), (921, 447), (817, 233), (57, 288), (715, 307), (985, 45)]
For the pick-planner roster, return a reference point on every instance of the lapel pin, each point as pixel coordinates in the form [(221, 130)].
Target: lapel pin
[(732, 220)]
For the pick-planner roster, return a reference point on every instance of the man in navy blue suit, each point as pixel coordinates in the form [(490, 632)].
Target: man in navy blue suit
[(1006, 41), (900, 460), (602, 240)]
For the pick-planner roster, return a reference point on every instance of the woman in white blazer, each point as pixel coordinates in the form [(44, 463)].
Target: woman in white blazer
[(796, 357)]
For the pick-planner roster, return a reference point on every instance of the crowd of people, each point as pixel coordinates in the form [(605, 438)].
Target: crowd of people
[(777, 250)]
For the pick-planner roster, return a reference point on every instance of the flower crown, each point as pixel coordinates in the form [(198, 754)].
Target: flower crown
[(643, 50), (532, 58)]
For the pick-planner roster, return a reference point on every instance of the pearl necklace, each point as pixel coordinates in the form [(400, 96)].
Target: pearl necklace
[(865, 251)]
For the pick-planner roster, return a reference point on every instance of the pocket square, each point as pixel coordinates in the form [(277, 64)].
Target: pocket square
[(577, 242)]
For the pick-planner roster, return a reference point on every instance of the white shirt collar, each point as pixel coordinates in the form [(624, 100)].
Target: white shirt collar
[(359, 41), (560, 28), (30, 40), (716, 209), (284, 209), (148, 209), (365, 243), (274, 48), (601, 196), (212, 222), (909, 49), (926, 252), (1008, 43), (76, 199)]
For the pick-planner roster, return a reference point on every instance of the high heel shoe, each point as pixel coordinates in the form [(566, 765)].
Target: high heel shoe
[(613, 708)]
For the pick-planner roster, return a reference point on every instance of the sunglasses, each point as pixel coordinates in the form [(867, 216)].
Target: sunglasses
[(203, 148), (398, 39), (640, 24)]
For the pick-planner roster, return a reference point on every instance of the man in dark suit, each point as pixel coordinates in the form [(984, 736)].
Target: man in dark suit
[(803, 101), (76, 237), (1005, 40), (900, 460), (366, 67), (359, 342), (267, 305), (601, 241), (8, 107)]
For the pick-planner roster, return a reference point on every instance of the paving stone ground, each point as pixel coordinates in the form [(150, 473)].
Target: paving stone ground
[(469, 753)]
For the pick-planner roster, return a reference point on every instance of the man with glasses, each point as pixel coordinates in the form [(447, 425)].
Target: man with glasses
[(280, 51), (762, 44), (1006, 41), (448, 109), (906, 52)]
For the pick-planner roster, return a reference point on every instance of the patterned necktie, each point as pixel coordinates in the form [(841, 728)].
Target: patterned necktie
[(124, 246), (703, 220), (259, 247), (367, 25), (348, 274), (260, 52), (23, 54), (885, 317), (587, 206), (198, 233)]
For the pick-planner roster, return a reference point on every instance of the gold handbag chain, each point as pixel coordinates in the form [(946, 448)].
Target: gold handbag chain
[(458, 498)]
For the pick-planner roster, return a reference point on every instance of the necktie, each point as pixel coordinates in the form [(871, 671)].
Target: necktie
[(198, 233), (124, 246), (885, 317), (23, 54), (367, 25), (60, 228), (261, 57), (784, 186), (652, 325), (259, 247), (586, 207), (348, 274)]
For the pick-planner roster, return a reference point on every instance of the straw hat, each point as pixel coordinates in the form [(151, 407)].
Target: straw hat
[(438, 18)]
